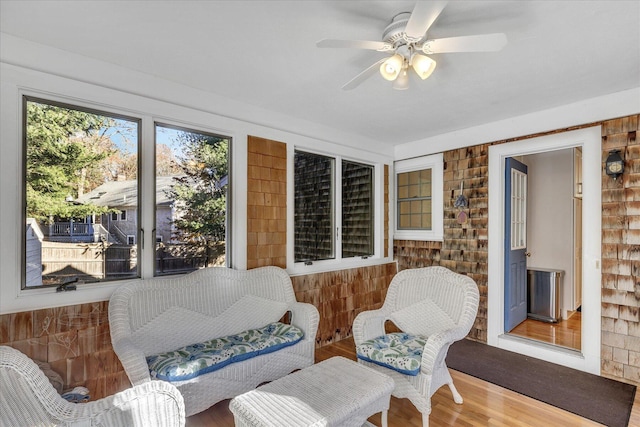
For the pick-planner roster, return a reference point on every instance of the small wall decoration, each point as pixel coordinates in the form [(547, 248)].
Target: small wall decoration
[(461, 203)]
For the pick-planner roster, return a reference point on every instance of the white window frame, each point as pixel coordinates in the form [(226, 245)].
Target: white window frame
[(337, 263), (434, 162), (50, 88)]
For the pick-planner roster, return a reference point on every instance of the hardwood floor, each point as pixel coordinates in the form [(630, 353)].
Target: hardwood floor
[(566, 333), (485, 404)]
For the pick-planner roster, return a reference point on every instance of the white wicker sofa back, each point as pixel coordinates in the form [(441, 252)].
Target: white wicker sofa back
[(164, 314)]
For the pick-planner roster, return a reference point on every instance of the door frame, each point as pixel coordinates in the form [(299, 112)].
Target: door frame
[(591, 142)]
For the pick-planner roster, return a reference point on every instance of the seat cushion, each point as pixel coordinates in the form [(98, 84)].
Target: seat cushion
[(399, 351), (196, 359)]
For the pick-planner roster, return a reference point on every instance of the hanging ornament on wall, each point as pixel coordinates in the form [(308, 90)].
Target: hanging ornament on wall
[(461, 203)]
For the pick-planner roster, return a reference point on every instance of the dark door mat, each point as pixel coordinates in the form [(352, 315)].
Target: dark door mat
[(600, 399)]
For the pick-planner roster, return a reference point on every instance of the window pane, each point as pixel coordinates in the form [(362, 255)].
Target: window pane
[(81, 172), (192, 173), (357, 209), (414, 200), (425, 183), (313, 217)]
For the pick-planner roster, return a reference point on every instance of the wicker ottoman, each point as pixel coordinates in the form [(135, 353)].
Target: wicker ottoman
[(335, 392)]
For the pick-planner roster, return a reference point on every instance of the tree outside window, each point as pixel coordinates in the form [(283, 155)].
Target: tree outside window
[(83, 205), (195, 226), (69, 152)]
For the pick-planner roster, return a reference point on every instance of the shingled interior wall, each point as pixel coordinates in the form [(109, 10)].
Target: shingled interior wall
[(75, 339), (464, 248)]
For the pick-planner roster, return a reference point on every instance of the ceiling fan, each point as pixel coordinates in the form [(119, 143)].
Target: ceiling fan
[(406, 39)]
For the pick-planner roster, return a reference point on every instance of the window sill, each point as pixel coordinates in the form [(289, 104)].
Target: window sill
[(335, 265), (47, 297), (428, 236)]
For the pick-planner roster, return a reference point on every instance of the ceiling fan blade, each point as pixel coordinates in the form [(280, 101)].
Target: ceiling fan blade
[(357, 44), (423, 16), (477, 43), (355, 82)]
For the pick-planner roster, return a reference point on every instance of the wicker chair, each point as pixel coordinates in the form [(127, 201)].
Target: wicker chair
[(433, 303), (29, 399)]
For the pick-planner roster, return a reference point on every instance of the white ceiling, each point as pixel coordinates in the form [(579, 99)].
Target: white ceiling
[(263, 53)]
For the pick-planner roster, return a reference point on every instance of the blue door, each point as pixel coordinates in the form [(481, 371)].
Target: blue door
[(515, 244)]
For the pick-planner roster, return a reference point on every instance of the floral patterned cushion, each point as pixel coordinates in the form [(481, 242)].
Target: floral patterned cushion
[(398, 351), (197, 359)]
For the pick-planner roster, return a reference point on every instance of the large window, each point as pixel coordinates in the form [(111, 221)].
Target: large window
[(81, 176), (419, 194), (192, 174), (85, 210), (334, 210)]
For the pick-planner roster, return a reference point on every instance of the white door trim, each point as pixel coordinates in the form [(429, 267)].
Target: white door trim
[(591, 142)]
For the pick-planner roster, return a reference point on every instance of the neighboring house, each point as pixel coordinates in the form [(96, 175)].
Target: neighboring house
[(122, 195)]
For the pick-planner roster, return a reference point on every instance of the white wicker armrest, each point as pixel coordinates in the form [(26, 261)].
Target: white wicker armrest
[(29, 399), (133, 360), (155, 403), (432, 349), (436, 344), (368, 325), (306, 317)]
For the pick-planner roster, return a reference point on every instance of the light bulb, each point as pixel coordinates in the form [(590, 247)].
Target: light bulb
[(390, 68), (423, 65), (402, 82)]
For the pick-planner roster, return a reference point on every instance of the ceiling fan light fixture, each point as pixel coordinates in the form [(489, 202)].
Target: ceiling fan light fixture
[(423, 65), (390, 69), (402, 82)]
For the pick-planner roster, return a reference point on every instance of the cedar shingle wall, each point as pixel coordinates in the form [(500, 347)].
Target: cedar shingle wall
[(76, 342), (341, 295), (266, 203), (621, 253), (464, 248)]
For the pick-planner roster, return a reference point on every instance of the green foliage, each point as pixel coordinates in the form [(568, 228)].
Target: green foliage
[(200, 198), (64, 149)]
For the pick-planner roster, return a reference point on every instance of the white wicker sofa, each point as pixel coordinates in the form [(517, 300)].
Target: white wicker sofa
[(164, 314)]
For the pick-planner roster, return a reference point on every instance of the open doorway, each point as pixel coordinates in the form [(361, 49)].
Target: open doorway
[(589, 141), (553, 249)]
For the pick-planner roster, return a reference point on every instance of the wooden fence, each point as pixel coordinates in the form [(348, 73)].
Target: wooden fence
[(90, 262)]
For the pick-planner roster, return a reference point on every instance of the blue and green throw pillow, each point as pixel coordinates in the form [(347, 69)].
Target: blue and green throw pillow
[(399, 351), (198, 359)]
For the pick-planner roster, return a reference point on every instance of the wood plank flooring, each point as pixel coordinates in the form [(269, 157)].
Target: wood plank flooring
[(485, 404), (566, 333)]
